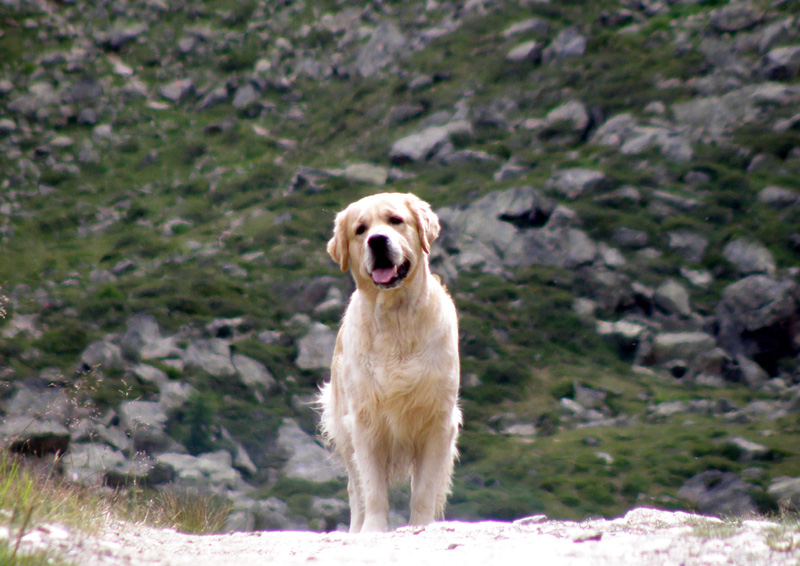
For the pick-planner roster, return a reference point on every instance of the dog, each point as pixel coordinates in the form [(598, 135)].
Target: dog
[(390, 409)]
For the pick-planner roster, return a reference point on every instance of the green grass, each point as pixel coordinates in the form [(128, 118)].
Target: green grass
[(32, 494)]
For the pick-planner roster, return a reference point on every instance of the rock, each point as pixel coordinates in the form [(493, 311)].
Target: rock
[(630, 238), (750, 372), (88, 463), (141, 470), (672, 297), (562, 247), (530, 51), (104, 355), (366, 173), (246, 97), (177, 91), (787, 491), (568, 43), (272, 514), (214, 470), (577, 182), (307, 460), (748, 451), (753, 316), (145, 423), (150, 374), (214, 97), (510, 170), (385, 45), (212, 356), (781, 63), (778, 197), (690, 245), (736, 16), (530, 25), (626, 334), (718, 493), (749, 257), (119, 37), (572, 117), (143, 340), (29, 435), (668, 346), (253, 373), (624, 132), (665, 410), (316, 348), (174, 394), (331, 510), (425, 144), (7, 126), (49, 404)]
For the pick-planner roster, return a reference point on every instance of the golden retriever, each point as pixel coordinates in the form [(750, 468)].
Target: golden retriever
[(391, 407)]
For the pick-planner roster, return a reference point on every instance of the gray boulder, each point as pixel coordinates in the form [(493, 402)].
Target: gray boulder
[(527, 51), (29, 435), (781, 63), (736, 16), (307, 460), (178, 90), (530, 25), (668, 346), (562, 247), (316, 347), (749, 257), (577, 182), (104, 355), (787, 491), (143, 340), (424, 145), (571, 117), (672, 297), (753, 316), (253, 373), (718, 493), (214, 470), (690, 245), (246, 96), (88, 463), (624, 132), (568, 43), (748, 450), (386, 44), (212, 356), (778, 197), (145, 421)]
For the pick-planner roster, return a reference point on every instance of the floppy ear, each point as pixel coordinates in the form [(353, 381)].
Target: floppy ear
[(427, 221), (338, 245)]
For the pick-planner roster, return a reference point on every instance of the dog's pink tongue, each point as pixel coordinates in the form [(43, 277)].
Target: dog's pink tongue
[(383, 275)]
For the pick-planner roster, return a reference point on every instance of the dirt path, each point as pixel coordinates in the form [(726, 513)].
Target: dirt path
[(642, 537)]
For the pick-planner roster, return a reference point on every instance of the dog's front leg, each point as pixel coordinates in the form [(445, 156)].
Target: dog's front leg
[(432, 472), (372, 461)]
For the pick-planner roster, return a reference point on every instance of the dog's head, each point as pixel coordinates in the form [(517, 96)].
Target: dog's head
[(383, 238)]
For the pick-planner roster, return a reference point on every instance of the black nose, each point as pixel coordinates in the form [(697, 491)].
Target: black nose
[(378, 243)]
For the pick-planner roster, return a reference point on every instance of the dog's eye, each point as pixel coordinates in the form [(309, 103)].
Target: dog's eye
[(395, 220), (361, 229)]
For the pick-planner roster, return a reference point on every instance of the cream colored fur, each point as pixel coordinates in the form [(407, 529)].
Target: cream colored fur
[(390, 409)]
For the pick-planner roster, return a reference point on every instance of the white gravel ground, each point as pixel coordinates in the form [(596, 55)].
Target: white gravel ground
[(642, 537)]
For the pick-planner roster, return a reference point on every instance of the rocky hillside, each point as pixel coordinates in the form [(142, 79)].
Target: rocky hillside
[(618, 186)]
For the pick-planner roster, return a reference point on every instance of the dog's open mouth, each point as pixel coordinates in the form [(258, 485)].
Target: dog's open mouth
[(390, 276)]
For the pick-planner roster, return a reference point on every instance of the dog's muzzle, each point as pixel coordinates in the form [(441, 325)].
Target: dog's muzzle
[(388, 267)]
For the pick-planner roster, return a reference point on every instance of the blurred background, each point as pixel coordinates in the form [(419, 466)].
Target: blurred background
[(618, 187)]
